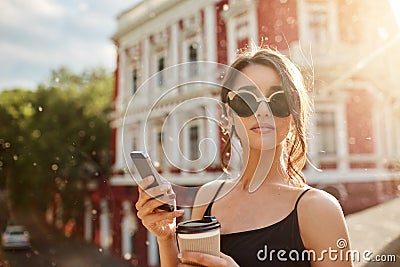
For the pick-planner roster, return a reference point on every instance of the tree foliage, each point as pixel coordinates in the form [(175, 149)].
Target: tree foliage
[(54, 138)]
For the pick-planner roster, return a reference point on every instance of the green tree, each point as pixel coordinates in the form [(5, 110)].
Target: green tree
[(59, 136), (15, 113)]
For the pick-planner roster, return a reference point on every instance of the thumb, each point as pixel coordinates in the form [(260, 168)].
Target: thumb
[(228, 259)]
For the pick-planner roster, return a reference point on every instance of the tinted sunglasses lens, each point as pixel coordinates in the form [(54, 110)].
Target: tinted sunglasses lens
[(244, 104), (279, 106)]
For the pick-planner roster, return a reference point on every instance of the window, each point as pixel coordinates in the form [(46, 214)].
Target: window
[(194, 142), (326, 133), (193, 52), (318, 23), (160, 68), (193, 57), (134, 80)]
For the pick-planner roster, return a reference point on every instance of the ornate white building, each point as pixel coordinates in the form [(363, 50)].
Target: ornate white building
[(348, 51)]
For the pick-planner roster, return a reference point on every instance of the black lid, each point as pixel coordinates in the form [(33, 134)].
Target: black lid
[(208, 223)]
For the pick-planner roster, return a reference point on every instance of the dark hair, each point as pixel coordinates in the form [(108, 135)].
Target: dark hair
[(297, 97)]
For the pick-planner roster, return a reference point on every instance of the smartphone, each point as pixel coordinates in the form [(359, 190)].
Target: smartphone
[(145, 168)]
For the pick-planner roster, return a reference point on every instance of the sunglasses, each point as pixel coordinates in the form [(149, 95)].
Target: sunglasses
[(245, 103)]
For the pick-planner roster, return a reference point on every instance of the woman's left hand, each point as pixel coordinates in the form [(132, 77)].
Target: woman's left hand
[(207, 260)]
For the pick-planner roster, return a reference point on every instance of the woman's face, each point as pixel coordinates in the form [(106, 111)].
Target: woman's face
[(261, 130)]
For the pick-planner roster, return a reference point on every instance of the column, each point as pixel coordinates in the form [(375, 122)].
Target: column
[(313, 146), (129, 131), (212, 132), (152, 250), (377, 130), (119, 142), (120, 107), (146, 137), (172, 139), (139, 137), (105, 231), (128, 229), (253, 24), (342, 139), (230, 29), (333, 23), (302, 21), (201, 161), (210, 25), (146, 64), (124, 85), (153, 144), (390, 126), (185, 146), (396, 132), (174, 49)]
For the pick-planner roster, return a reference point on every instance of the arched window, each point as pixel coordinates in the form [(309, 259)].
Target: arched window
[(318, 21), (193, 57), (160, 68), (134, 80), (194, 142)]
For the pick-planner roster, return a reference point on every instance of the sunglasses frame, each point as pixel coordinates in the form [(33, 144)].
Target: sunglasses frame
[(231, 95)]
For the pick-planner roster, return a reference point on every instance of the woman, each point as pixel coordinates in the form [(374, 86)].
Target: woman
[(269, 217)]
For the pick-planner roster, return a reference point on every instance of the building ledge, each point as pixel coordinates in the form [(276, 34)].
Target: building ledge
[(350, 175), (181, 179)]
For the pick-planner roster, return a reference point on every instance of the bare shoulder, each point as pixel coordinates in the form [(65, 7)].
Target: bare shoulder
[(204, 196), (321, 219), (317, 202)]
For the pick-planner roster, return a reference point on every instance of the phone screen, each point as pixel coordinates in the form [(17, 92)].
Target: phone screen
[(144, 167), (142, 164)]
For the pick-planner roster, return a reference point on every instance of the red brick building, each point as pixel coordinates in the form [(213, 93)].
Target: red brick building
[(347, 50)]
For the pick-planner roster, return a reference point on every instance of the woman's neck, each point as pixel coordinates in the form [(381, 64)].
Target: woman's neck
[(262, 167)]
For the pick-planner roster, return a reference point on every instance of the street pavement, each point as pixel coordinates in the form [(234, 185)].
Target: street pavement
[(376, 229), (52, 249)]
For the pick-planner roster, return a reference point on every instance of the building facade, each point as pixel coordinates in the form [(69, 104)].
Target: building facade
[(348, 51)]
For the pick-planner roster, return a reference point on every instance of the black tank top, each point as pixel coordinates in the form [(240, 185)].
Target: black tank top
[(279, 244)]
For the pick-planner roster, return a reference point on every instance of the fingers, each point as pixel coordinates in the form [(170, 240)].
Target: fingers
[(162, 223), (145, 196), (162, 216), (206, 260), (203, 259), (151, 205), (147, 205), (159, 222)]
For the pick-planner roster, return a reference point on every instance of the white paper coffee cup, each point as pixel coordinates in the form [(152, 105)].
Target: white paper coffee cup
[(199, 236)]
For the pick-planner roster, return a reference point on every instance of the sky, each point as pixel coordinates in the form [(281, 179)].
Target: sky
[(42, 35)]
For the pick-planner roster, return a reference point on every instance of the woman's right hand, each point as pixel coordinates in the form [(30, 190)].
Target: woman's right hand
[(159, 222)]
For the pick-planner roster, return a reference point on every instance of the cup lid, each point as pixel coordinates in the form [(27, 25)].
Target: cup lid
[(208, 223)]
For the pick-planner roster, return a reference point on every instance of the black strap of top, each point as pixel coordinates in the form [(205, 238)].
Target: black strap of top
[(209, 207), (298, 199), (208, 210)]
